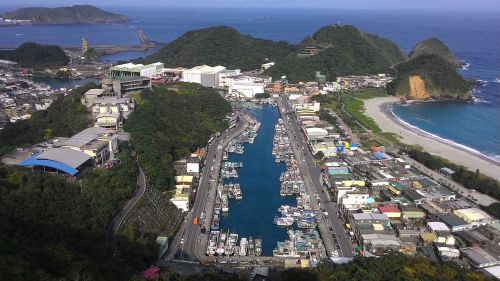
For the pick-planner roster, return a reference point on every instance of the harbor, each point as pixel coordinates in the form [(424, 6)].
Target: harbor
[(244, 221), (251, 217)]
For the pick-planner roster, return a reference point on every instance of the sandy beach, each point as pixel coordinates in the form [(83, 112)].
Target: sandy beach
[(377, 109)]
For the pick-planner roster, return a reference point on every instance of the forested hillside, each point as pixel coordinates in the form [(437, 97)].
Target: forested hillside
[(221, 45), (65, 15), (436, 47), (36, 55), (170, 124), (52, 229), (341, 50), (439, 80)]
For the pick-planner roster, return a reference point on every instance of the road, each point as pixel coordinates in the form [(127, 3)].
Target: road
[(115, 224), (460, 189), (312, 178), (189, 243)]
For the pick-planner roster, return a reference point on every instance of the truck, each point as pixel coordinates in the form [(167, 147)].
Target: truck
[(195, 220)]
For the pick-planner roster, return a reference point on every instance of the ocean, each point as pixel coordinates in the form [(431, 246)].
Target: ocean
[(474, 37)]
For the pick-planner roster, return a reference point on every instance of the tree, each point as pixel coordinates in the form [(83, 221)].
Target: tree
[(319, 155), (47, 134)]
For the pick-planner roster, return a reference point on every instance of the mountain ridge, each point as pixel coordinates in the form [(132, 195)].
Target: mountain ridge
[(76, 14)]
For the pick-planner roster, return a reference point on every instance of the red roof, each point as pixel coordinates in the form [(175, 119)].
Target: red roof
[(151, 273), (388, 209)]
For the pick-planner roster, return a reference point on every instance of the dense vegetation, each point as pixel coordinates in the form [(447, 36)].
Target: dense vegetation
[(36, 55), (469, 179), (262, 96), (441, 78), (65, 15), (64, 118), (55, 230), (220, 45), (437, 47), (343, 50), (171, 123), (387, 268)]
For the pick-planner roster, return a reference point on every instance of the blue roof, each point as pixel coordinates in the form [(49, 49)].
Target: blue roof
[(33, 161)]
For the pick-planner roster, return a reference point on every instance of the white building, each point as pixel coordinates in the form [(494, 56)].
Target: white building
[(193, 165), (354, 200), (134, 70), (246, 89), (205, 75)]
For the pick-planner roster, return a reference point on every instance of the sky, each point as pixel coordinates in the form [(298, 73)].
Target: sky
[(445, 5)]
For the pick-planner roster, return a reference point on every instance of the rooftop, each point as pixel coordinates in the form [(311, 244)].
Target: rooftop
[(370, 216), (84, 137), (63, 159), (473, 214)]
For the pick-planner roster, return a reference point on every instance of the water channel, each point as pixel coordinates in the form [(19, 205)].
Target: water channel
[(260, 185)]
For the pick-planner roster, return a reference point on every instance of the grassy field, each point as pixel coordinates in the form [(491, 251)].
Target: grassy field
[(354, 109)]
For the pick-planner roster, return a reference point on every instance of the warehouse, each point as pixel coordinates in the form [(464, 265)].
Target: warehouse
[(482, 257), (134, 70), (63, 160), (205, 75), (474, 216), (246, 89), (99, 143)]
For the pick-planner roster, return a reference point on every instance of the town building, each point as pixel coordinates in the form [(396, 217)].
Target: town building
[(183, 192), (205, 75), (108, 110)]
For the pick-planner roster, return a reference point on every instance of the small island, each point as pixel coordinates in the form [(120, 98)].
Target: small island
[(77, 14)]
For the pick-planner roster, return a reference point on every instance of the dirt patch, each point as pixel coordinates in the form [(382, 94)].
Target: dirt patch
[(417, 88)]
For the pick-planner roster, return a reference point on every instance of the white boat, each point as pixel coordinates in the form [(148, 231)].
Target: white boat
[(243, 247)]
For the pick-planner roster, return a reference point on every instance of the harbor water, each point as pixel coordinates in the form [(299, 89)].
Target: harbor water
[(260, 185)]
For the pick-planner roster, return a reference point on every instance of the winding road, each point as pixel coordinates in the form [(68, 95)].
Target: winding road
[(115, 224)]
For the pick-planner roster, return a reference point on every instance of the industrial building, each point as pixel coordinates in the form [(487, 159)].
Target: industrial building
[(90, 147), (134, 70), (474, 216), (7, 64), (108, 110), (205, 75), (127, 85), (64, 160)]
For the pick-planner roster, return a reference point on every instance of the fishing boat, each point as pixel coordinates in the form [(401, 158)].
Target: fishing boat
[(212, 243), (225, 204), (283, 221), (243, 247), (251, 247), (231, 243), (237, 192), (258, 246), (221, 245)]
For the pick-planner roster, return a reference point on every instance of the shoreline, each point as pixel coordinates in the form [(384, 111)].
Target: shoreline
[(379, 110)]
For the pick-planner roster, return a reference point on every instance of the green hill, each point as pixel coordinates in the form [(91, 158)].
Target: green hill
[(437, 47), (429, 76), (65, 15), (36, 55), (338, 50), (220, 45)]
